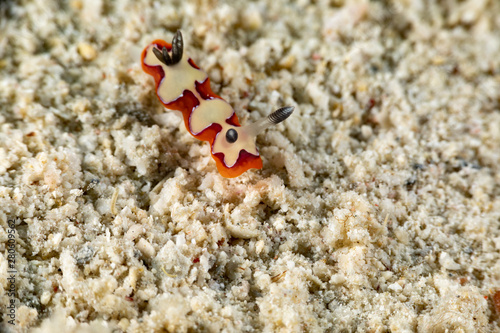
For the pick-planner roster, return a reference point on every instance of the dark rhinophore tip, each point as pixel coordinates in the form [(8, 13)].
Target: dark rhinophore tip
[(177, 47), (177, 50), (274, 118), (281, 114)]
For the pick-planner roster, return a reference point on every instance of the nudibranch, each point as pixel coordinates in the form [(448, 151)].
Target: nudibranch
[(184, 87)]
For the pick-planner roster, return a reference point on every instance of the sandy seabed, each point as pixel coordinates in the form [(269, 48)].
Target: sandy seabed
[(377, 209)]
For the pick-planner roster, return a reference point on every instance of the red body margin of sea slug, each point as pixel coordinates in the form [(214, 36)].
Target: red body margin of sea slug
[(187, 102)]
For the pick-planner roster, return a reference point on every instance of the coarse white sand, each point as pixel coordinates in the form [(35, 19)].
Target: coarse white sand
[(377, 210)]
